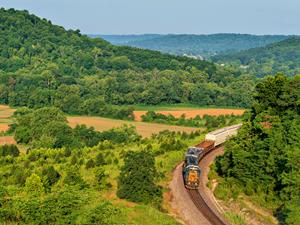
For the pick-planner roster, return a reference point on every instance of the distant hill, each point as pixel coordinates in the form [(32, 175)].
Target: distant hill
[(125, 39), (283, 56), (194, 45)]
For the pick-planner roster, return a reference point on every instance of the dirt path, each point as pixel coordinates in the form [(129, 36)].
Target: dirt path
[(182, 204)]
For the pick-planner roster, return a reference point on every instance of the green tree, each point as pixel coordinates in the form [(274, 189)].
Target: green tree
[(102, 178), (264, 159), (34, 185), (50, 176), (137, 178)]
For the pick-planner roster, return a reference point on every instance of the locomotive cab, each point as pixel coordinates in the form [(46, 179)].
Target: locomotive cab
[(191, 172), (191, 176)]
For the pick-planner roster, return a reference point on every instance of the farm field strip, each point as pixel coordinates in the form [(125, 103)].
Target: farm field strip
[(5, 114), (7, 140), (144, 129), (191, 113)]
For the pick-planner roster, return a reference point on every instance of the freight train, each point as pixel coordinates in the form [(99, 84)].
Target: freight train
[(191, 171)]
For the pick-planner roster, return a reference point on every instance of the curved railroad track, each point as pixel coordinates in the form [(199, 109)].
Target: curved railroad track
[(204, 208), (201, 204)]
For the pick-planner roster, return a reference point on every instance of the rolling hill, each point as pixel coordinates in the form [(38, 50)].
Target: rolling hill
[(283, 57), (46, 65), (201, 46)]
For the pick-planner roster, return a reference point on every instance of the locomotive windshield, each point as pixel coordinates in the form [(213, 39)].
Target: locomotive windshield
[(190, 160)]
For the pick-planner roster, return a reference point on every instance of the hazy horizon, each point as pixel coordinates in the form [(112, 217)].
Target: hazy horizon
[(189, 34), (119, 17)]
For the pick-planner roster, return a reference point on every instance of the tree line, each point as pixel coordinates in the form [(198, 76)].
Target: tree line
[(207, 121)]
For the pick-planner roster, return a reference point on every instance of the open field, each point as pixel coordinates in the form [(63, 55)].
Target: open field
[(144, 129), (175, 107), (192, 112), (5, 113), (7, 140)]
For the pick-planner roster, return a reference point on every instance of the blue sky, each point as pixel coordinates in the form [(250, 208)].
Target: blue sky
[(168, 16)]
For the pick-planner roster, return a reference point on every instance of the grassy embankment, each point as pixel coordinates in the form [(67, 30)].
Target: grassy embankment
[(240, 209)]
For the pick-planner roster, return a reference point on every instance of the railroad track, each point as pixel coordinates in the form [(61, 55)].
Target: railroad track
[(207, 212), (202, 205)]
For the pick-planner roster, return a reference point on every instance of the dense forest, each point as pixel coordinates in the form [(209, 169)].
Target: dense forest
[(203, 46), (283, 57), (263, 161), (42, 64)]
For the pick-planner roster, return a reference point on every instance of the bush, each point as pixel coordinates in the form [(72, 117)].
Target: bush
[(50, 176), (104, 214), (73, 178), (100, 160), (11, 150), (137, 178), (123, 134), (34, 185), (90, 164), (56, 208), (74, 160), (102, 178)]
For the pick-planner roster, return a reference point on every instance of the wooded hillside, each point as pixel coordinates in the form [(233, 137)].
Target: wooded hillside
[(42, 64), (263, 161), (283, 57)]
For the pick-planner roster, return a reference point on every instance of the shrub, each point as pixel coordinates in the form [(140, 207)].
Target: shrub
[(50, 176), (73, 178), (90, 164), (74, 160), (11, 150), (102, 178), (104, 214), (55, 208), (100, 160), (34, 185)]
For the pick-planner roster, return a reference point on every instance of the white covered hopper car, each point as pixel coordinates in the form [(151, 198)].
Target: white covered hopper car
[(222, 135)]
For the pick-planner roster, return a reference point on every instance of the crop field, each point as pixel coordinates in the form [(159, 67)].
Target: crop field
[(144, 129), (190, 112), (5, 114), (7, 140)]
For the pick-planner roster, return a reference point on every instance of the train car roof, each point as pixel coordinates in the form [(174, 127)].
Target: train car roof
[(219, 131)]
